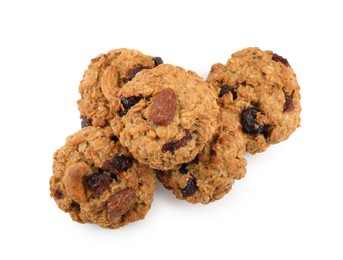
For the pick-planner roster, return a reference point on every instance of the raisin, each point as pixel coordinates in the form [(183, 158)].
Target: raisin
[(190, 188), (58, 194), (157, 61), (127, 104), (114, 138), (117, 164), (249, 124), (183, 169), (75, 205), (98, 183), (224, 89), (86, 122), (288, 106), (122, 113), (175, 144), (132, 73), (279, 58)]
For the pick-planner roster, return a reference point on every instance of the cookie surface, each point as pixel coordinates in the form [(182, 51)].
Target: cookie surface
[(262, 88), (211, 175), (105, 75), (96, 180), (167, 115)]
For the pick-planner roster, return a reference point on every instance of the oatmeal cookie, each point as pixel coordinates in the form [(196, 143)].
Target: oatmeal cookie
[(105, 75), (96, 180), (262, 87), (211, 175), (167, 115)]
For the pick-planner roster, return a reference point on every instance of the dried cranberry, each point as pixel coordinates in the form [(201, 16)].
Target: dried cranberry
[(157, 61), (249, 124), (98, 183), (132, 73), (190, 188), (176, 144), (279, 58), (117, 164), (288, 106), (86, 122), (58, 194)]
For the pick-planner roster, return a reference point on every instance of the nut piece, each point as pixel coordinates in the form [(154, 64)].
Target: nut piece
[(164, 107), (73, 181), (120, 202)]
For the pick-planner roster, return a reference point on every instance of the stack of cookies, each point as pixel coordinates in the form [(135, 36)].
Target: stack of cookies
[(143, 119)]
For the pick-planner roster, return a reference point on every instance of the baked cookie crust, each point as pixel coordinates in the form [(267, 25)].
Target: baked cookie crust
[(211, 175), (184, 102), (106, 74), (263, 89), (96, 180)]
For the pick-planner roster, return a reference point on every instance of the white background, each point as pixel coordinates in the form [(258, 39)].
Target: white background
[(289, 205)]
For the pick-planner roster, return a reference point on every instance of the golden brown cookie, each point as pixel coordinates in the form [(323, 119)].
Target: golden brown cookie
[(211, 175), (105, 75), (96, 180), (262, 88), (167, 116)]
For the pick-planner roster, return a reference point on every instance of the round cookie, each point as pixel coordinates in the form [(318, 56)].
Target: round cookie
[(211, 175), (167, 116), (262, 88), (105, 75), (96, 180)]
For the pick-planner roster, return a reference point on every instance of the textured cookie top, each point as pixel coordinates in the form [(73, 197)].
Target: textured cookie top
[(167, 116), (211, 175), (262, 87), (96, 180), (105, 75)]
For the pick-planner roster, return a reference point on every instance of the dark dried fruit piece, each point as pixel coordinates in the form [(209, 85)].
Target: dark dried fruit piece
[(249, 124), (114, 138), (224, 89), (174, 145), (157, 61), (132, 73), (75, 205), (164, 107), (98, 183), (183, 169), (190, 188), (121, 202), (117, 164), (127, 104), (58, 194), (288, 106), (279, 58), (86, 122), (122, 113)]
